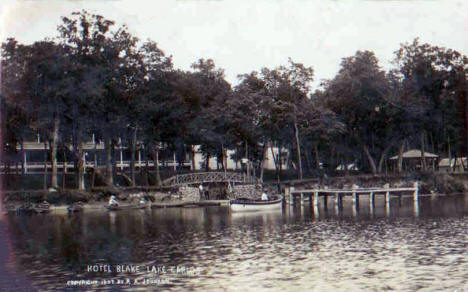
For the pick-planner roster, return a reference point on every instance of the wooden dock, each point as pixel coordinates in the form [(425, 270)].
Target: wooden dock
[(313, 195)]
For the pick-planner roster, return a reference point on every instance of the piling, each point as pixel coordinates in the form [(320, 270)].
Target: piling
[(387, 194), (416, 191), (355, 196), (316, 199), (292, 197), (371, 202), (338, 200), (416, 199)]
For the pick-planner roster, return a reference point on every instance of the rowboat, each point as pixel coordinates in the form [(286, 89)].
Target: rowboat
[(245, 205), (75, 207), (114, 207), (25, 208), (42, 207)]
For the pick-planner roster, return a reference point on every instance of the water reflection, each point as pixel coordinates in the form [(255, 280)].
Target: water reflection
[(299, 248)]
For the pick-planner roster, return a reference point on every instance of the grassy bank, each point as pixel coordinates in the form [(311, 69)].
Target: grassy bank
[(28, 190)]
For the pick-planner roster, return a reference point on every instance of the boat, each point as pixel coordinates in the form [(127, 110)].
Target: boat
[(42, 207), (141, 206), (114, 207), (9, 208), (75, 207), (245, 205), (25, 208)]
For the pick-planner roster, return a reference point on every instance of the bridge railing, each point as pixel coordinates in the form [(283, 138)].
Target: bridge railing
[(206, 177)]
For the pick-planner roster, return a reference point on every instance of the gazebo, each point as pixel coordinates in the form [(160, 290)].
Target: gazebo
[(412, 159)]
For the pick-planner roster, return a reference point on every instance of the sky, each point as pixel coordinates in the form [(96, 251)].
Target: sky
[(242, 36)]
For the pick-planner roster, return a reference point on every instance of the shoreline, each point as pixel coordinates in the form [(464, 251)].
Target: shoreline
[(431, 184)]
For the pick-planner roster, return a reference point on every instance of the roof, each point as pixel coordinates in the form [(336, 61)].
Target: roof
[(445, 162), (415, 153), (42, 146)]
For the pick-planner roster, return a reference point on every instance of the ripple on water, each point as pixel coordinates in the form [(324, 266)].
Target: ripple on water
[(255, 252)]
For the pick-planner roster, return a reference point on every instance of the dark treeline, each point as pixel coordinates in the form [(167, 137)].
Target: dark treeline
[(96, 78)]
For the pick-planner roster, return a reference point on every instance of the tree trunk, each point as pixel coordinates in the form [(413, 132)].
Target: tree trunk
[(280, 162), (132, 157), (261, 170), (45, 166), (207, 162), (157, 175), (345, 166), (317, 157), (146, 172), (307, 159), (370, 159), (401, 149), (247, 157), (449, 152), (423, 158), (81, 166), (53, 151), (298, 144), (432, 142), (23, 162), (109, 171), (95, 168), (454, 167), (383, 156), (64, 169)]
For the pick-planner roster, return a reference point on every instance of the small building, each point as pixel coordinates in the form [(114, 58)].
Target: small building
[(412, 160), (349, 167), (453, 165), (232, 164)]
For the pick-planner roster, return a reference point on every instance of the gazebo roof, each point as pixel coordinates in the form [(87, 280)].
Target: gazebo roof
[(415, 153)]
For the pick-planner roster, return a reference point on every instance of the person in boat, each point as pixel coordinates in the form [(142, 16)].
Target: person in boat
[(264, 197), (200, 189), (207, 193), (113, 201)]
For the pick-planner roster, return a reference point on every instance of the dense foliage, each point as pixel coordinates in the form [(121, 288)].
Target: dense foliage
[(96, 79)]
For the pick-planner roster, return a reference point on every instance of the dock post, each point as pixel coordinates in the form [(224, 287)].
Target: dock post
[(325, 201), (337, 199), (387, 199), (316, 198), (316, 204), (371, 203), (387, 194), (338, 203), (355, 196), (293, 198), (416, 191), (416, 199), (302, 199)]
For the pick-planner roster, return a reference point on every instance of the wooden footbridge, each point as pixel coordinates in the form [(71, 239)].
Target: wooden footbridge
[(208, 177)]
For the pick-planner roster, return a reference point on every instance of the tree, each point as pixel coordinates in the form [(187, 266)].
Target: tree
[(358, 96), (433, 92), (289, 87)]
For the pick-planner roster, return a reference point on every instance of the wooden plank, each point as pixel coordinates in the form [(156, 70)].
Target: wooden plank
[(369, 190)]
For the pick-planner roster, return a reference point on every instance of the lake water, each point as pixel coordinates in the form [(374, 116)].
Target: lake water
[(210, 249)]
